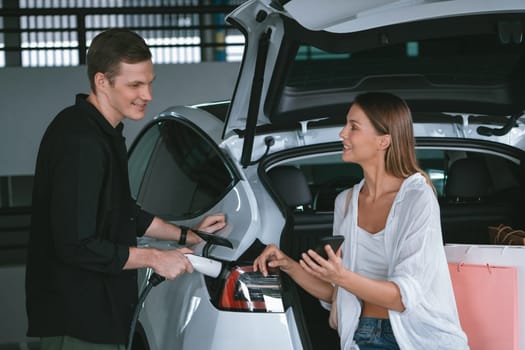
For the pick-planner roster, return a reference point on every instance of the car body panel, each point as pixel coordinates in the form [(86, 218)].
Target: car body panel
[(271, 124), (190, 321)]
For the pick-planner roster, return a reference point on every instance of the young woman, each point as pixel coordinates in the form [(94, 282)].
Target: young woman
[(389, 281)]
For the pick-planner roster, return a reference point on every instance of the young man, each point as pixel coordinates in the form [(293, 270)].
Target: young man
[(81, 280)]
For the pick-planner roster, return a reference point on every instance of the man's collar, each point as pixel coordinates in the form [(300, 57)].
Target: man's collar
[(81, 101)]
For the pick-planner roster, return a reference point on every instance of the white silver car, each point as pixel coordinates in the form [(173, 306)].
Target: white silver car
[(270, 157)]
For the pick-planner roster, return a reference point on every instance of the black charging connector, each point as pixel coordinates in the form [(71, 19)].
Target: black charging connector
[(154, 280)]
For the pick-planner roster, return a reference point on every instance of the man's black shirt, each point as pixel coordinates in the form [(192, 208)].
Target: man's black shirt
[(83, 222)]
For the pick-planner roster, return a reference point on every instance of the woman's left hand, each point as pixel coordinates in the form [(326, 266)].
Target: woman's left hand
[(329, 270)]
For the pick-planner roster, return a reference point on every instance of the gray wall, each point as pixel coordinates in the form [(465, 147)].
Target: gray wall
[(31, 97)]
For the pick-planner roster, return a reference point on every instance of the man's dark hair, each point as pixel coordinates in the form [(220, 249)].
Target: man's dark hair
[(111, 47)]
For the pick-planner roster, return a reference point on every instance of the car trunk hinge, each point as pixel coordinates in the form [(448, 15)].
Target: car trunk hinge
[(511, 122)]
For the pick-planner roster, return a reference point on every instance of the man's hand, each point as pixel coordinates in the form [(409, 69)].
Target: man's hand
[(172, 263), (209, 224), (167, 263), (162, 229), (212, 223)]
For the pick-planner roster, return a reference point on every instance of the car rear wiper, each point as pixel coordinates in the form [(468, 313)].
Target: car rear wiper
[(511, 122)]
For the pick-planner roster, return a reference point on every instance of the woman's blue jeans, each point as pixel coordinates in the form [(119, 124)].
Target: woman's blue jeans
[(375, 333)]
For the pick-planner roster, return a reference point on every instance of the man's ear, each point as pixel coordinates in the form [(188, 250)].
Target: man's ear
[(100, 80)]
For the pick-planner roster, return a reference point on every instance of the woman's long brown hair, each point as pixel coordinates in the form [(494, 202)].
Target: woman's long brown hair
[(389, 114)]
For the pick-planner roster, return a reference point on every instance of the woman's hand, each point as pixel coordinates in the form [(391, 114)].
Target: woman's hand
[(273, 257), (329, 270)]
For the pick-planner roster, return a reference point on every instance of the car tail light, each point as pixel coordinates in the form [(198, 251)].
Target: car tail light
[(246, 290)]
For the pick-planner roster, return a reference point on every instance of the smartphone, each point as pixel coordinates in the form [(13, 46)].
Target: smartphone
[(334, 241)]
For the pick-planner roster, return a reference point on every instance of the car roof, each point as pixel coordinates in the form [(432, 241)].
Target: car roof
[(304, 60)]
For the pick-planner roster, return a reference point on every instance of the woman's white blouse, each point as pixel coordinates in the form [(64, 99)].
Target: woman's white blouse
[(417, 264)]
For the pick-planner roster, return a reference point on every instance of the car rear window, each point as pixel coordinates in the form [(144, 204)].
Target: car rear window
[(468, 65), (471, 59)]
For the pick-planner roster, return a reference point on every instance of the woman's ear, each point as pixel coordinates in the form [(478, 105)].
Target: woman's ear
[(384, 141)]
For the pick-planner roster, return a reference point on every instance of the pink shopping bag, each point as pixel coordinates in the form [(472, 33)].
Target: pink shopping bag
[(487, 301)]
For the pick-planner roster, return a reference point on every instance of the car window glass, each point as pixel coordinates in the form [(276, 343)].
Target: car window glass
[(139, 158), (314, 68), (433, 162), (327, 175), (185, 175)]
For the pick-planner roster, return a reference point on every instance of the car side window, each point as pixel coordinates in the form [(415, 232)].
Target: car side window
[(327, 176), (139, 158), (176, 172), (434, 163)]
